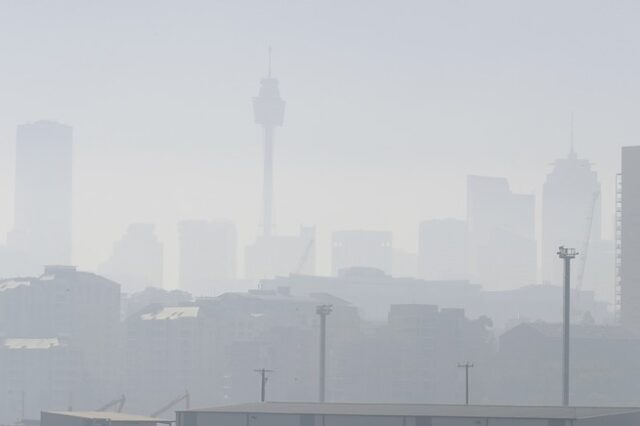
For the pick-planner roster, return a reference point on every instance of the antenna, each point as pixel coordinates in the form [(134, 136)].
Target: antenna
[(269, 74)]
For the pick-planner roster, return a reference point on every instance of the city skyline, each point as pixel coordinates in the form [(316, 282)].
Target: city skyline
[(210, 116)]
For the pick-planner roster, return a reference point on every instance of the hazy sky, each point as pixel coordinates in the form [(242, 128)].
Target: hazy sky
[(390, 104)]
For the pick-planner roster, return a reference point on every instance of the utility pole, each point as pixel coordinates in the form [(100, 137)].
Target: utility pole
[(566, 254), (466, 367), (323, 311), (263, 382)]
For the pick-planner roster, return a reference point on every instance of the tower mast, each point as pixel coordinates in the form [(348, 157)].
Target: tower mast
[(268, 110)]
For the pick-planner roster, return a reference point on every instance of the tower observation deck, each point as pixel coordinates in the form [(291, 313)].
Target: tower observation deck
[(268, 110)]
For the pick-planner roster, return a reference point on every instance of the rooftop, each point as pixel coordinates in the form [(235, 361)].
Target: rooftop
[(11, 284), (22, 343), (172, 313), (485, 411), (112, 417)]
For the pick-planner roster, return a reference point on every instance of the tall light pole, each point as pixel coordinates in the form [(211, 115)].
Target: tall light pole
[(323, 311), (263, 382), (566, 254), (466, 367)]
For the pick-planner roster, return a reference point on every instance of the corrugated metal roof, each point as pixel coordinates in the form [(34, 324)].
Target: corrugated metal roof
[(172, 313), (22, 343), (113, 417), (476, 411)]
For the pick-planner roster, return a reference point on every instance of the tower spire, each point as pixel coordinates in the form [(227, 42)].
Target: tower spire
[(269, 71)]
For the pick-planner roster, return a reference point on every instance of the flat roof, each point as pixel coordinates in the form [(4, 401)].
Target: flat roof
[(172, 313), (428, 410), (111, 416), (28, 343)]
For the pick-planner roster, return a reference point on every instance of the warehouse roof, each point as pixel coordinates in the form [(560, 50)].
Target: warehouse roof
[(112, 417), (172, 313), (483, 411), (27, 343)]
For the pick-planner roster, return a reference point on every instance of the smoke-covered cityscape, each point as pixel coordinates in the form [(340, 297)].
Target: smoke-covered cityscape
[(319, 213)]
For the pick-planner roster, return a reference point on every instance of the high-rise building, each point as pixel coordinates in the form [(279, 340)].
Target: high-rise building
[(281, 255), (268, 109), (207, 255), (630, 239), (369, 249), (442, 250), (43, 193), (502, 248), (570, 213), (137, 259)]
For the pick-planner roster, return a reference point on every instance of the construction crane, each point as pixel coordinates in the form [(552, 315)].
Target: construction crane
[(305, 256), (118, 403), (184, 397), (585, 244)]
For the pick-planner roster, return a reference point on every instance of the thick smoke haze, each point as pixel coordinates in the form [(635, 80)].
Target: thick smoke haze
[(390, 105)]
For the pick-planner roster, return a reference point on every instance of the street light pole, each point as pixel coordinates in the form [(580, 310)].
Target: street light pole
[(566, 254), (323, 311), (466, 367), (263, 382)]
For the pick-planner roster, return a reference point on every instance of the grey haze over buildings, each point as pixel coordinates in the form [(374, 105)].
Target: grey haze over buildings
[(195, 192), (389, 108)]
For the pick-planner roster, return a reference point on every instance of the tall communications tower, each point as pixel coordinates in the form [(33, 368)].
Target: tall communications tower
[(268, 111)]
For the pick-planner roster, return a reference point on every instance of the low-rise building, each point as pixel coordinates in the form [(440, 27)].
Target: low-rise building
[(332, 414), (98, 418)]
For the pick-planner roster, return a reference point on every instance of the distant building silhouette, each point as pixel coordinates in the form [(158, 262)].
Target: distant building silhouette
[(442, 250), (65, 325), (372, 249), (630, 238), (570, 202), (502, 248), (602, 357), (137, 259), (281, 255), (43, 193), (404, 263), (373, 292), (268, 110), (207, 255), (161, 366)]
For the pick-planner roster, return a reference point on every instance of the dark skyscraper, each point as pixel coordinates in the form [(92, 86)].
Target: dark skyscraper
[(268, 109), (43, 192)]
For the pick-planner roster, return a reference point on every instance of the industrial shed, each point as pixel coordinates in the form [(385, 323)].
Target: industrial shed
[(334, 414), (97, 418)]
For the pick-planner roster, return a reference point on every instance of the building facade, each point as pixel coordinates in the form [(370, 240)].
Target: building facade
[(370, 249), (501, 224), (43, 193), (442, 250), (136, 261), (630, 239), (207, 255)]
